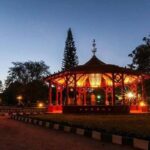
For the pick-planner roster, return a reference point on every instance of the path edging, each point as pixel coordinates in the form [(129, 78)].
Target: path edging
[(97, 135)]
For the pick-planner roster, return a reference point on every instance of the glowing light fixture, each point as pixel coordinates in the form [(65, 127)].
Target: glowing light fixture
[(142, 103), (40, 105), (82, 80), (52, 86), (98, 96), (130, 95), (19, 97), (95, 80)]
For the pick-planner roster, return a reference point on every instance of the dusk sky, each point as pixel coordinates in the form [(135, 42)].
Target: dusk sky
[(37, 29)]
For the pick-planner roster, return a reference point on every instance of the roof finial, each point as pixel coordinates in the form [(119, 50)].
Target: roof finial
[(94, 49)]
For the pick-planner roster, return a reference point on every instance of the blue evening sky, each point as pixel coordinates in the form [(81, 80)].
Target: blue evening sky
[(37, 29)]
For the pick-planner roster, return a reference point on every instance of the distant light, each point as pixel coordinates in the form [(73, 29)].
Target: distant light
[(71, 89), (52, 86), (19, 97), (142, 103), (120, 97), (40, 105), (98, 96)]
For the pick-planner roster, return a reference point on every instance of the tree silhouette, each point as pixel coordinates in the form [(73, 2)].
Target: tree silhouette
[(70, 59), (1, 87), (141, 57), (26, 79), (26, 72)]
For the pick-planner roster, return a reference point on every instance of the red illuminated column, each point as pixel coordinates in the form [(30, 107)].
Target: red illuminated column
[(143, 89), (113, 90), (79, 101), (75, 89), (50, 93), (106, 96), (122, 88), (61, 96), (84, 97), (67, 90), (136, 92), (57, 93)]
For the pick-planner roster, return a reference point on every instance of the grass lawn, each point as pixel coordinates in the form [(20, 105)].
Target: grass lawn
[(133, 125)]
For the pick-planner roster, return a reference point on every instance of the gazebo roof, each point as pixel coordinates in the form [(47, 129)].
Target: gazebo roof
[(94, 65), (94, 61)]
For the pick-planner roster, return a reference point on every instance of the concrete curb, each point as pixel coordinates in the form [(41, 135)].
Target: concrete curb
[(101, 136), (4, 114), (20, 113)]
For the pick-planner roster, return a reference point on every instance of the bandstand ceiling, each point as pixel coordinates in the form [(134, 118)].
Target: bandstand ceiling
[(93, 80), (94, 73)]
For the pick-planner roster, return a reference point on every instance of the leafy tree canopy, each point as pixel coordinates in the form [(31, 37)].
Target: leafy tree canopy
[(26, 79), (26, 72), (141, 56), (1, 87)]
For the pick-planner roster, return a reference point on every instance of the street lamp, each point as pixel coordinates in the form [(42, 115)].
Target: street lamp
[(19, 98), (40, 105)]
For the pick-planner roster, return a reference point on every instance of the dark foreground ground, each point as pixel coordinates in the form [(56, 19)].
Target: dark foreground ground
[(16, 135)]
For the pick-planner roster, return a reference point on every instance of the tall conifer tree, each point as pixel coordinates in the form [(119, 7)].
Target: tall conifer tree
[(70, 57)]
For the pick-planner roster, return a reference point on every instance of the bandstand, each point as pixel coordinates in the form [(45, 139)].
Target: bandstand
[(96, 87)]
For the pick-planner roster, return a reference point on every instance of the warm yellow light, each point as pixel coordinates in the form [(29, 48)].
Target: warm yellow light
[(142, 103), (95, 80), (82, 80), (19, 97), (130, 95), (107, 80), (60, 81), (130, 79), (40, 105)]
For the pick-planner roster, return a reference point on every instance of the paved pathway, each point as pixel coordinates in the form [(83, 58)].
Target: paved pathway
[(16, 135)]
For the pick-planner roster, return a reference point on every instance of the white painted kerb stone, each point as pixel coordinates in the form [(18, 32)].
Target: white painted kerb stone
[(116, 139), (141, 144)]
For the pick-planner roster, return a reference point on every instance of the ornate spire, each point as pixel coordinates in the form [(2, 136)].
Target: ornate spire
[(94, 49)]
